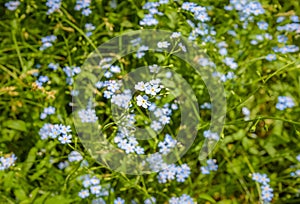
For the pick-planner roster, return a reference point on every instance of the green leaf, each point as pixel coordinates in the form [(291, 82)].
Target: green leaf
[(270, 149), (20, 194), (42, 198), (207, 197), (30, 160), (15, 124), (58, 200), (38, 174)]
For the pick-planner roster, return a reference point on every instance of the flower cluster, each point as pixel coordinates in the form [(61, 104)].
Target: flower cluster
[(282, 38), (47, 111), (54, 131), (284, 102), (83, 5), (12, 5), (88, 115), (92, 187), (112, 86), (141, 51), (205, 105), (222, 48), (53, 6), (62, 165), (246, 9), (183, 199), (211, 166), (126, 140), (41, 80), (89, 28), (152, 87), (47, 42), (166, 146), (230, 62), (53, 66), (271, 57), (171, 172), (224, 77), (246, 112), (168, 172), (266, 190), (152, 7), (163, 44), (286, 49), (74, 156), (7, 161), (150, 200), (122, 100), (297, 172), (71, 71), (211, 135), (200, 13)]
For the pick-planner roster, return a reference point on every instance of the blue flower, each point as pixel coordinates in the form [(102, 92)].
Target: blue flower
[(95, 189), (163, 44), (230, 62), (223, 51), (260, 178), (84, 193), (188, 6), (7, 161), (143, 101), (53, 66), (280, 19), (47, 42), (12, 5), (47, 111), (204, 170), (98, 201), (268, 36), (155, 125), (211, 135), (295, 19), (89, 27), (262, 25), (284, 102), (86, 11), (246, 112), (83, 5), (148, 20), (152, 89), (282, 38), (43, 79), (65, 139), (167, 174), (63, 165), (151, 200), (259, 37), (87, 115), (298, 157), (211, 166), (183, 172), (271, 57), (119, 201), (183, 199), (286, 49), (166, 146), (53, 6), (253, 42), (74, 156), (206, 105), (267, 196)]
